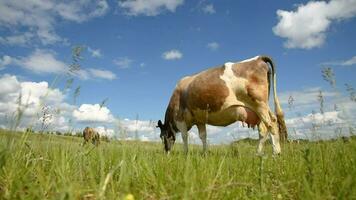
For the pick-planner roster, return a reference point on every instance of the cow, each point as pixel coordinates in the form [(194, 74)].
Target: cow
[(92, 135), (220, 96)]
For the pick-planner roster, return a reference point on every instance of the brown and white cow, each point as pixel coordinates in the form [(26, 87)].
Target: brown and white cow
[(92, 135), (222, 95)]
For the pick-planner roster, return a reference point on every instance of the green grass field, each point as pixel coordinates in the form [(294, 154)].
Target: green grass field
[(34, 166)]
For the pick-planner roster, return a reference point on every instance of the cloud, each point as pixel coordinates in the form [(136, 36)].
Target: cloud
[(4, 61), (209, 9), (305, 120), (103, 131), (92, 113), (45, 62), (20, 40), (144, 130), (149, 7), (317, 118), (31, 98), (318, 126), (38, 18), (349, 62), (80, 11), (104, 74), (213, 46), (172, 55), (304, 97), (96, 53), (35, 97), (307, 26), (42, 61), (138, 125), (123, 62)]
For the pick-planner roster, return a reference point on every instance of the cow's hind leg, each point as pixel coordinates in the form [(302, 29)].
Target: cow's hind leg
[(263, 135), (269, 123), (202, 135)]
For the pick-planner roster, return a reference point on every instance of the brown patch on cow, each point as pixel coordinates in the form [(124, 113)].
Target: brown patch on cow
[(207, 91), (256, 74), (172, 108), (90, 134)]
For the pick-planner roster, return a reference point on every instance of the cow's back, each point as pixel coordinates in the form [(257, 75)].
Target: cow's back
[(207, 91)]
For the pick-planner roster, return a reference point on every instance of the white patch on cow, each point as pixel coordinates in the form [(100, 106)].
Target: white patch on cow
[(234, 84), (250, 59), (182, 126)]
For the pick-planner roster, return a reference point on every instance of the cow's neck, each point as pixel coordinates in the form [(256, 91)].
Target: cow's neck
[(169, 119)]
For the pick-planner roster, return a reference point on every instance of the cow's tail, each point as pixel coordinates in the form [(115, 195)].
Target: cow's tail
[(278, 110)]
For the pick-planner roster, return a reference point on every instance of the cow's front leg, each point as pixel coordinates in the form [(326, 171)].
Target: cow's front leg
[(185, 141), (202, 135), (182, 127)]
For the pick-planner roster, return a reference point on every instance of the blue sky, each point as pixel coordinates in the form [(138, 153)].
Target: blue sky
[(136, 51)]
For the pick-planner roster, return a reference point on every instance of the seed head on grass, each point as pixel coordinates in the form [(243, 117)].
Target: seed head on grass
[(351, 92), (329, 76), (103, 102), (76, 94), (321, 101), (46, 118), (290, 102)]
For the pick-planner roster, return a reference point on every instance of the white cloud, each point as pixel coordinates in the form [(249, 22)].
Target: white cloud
[(40, 17), (21, 39), (304, 97), (42, 61), (349, 62), (123, 62), (80, 11), (93, 113), (213, 46), (45, 62), (209, 9), (172, 55), (95, 52), (306, 27), (4, 61), (104, 74), (149, 7), (138, 125), (34, 96), (143, 130), (104, 131), (317, 118)]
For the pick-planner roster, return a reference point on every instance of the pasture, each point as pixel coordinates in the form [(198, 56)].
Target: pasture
[(35, 166)]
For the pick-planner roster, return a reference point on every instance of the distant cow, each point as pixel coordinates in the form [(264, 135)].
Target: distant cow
[(223, 95), (90, 134)]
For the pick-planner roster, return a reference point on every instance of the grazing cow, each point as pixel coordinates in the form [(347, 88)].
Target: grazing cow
[(91, 134), (223, 95)]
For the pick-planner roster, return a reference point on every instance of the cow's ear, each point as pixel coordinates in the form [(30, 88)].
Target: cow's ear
[(160, 125)]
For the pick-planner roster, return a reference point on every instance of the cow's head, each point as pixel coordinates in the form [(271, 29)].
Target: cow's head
[(167, 136)]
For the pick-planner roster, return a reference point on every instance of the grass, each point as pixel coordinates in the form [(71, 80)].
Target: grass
[(35, 166)]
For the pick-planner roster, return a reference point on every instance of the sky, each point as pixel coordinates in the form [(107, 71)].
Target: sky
[(135, 51)]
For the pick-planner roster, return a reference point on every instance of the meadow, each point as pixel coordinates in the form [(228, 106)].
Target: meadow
[(44, 166)]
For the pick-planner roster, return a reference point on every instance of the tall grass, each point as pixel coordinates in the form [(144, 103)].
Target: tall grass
[(35, 166)]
